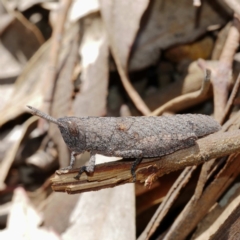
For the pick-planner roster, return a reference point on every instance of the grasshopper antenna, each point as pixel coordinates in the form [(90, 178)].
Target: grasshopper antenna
[(40, 114)]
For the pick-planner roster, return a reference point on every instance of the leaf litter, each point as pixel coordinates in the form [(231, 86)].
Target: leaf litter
[(117, 58)]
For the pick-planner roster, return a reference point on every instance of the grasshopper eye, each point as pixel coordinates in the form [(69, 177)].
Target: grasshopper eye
[(72, 128)]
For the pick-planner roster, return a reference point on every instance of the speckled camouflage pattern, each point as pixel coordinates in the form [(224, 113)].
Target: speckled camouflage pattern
[(133, 137), (130, 137)]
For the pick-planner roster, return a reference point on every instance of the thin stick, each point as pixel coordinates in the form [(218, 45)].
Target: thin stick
[(117, 173), (167, 203), (56, 43), (222, 71), (132, 93), (230, 100)]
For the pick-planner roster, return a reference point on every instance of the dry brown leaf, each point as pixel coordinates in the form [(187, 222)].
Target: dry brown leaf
[(55, 203), (108, 214), (27, 88), (92, 98), (24, 222), (133, 35), (44, 159), (190, 83), (183, 100), (233, 5), (21, 208), (122, 20), (14, 50), (57, 43), (169, 23), (30, 87), (220, 41), (110, 221)]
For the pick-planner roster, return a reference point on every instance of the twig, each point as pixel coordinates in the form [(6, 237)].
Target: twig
[(230, 100), (196, 209), (208, 167), (167, 202), (117, 173), (220, 79), (232, 42), (221, 72), (207, 170), (55, 50), (133, 94), (201, 200), (121, 39), (181, 100), (220, 42)]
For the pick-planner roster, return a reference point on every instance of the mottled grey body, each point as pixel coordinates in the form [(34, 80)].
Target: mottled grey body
[(131, 137)]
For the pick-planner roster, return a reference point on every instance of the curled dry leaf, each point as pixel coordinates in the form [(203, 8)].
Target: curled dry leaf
[(190, 83), (184, 99), (163, 29)]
